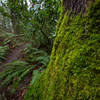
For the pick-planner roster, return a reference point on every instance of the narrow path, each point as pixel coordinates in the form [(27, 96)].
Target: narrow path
[(14, 55)]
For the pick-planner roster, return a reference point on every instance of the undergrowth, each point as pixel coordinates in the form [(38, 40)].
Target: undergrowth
[(3, 52), (15, 73), (10, 39), (34, 63), (36, 56)]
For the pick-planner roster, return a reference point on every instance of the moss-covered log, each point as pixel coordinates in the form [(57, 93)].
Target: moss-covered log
[(74, 70)]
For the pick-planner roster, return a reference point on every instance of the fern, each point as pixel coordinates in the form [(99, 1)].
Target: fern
[(35, 76), (3, 52), (6, 37), (36, 55), (15, 69), (21, 76)]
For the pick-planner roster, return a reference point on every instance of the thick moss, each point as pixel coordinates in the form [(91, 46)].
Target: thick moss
[(74, 70)]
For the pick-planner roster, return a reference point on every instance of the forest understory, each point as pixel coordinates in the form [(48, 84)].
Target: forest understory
[(14, 54), (50, 50)]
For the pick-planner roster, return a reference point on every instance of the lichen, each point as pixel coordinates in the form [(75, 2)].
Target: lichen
[(74, 70)]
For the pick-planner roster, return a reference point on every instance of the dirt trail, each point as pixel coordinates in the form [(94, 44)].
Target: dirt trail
[(12, 56)]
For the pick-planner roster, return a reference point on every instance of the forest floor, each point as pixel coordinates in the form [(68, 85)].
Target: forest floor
[(14, 54)]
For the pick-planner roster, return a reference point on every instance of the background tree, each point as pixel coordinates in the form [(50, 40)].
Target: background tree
[(5, 21), (73, 71)]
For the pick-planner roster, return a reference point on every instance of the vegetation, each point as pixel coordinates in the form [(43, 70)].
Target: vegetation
[(30, 30), (73, 71), (3, 52)]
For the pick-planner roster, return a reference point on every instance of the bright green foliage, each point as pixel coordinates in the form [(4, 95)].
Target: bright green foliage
[(35, 76), (74, 69)]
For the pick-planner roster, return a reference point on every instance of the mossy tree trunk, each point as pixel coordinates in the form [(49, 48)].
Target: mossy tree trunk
[(74, 71)]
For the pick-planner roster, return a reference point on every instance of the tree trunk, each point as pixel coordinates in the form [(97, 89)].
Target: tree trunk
[(14, 17), (74, 71)]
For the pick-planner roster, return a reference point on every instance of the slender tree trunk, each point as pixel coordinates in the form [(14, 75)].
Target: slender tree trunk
[(73, 72), (14, 16)]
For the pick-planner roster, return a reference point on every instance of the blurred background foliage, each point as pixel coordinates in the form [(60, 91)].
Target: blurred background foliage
[(36, 19)]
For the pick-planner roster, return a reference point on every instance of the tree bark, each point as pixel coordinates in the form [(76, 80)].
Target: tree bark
[(73, 71)]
